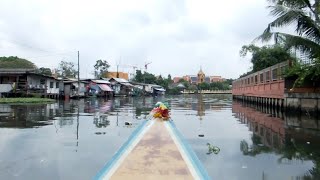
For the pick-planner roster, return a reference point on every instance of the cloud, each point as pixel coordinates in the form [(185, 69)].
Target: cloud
[(176, 36)]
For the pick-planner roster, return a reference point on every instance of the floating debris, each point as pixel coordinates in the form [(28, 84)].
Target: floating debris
[(127, 123), (212, 149)]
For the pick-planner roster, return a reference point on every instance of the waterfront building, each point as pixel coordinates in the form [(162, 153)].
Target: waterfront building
[(25, 82)]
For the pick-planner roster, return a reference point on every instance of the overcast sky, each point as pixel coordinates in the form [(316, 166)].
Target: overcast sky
[(176, 36)]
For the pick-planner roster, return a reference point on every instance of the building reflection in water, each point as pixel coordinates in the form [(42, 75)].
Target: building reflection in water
[(22, 116), (294, 138)]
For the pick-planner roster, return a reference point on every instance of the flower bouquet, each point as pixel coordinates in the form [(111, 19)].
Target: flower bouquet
[(161, 110)]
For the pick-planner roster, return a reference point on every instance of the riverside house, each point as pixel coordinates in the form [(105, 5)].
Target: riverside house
[(121, 87), (26, 82)]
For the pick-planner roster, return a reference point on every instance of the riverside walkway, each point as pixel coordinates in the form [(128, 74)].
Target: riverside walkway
[(156, 150)]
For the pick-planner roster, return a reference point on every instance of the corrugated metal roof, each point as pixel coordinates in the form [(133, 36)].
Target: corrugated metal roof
[(100, 81), (120, 80), (104, 87)]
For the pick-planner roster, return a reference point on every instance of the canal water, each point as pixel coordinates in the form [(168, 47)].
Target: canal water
[(73, 140)]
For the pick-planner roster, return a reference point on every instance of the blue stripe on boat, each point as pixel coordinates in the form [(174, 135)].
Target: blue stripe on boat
[(201, 171), (119, 153)]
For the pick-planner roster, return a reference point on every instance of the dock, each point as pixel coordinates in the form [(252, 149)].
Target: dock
[(155, 150)]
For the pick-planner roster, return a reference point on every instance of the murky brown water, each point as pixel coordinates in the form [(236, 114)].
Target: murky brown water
[(73, 140)]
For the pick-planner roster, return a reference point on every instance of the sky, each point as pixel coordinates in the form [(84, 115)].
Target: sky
[(176, 37)]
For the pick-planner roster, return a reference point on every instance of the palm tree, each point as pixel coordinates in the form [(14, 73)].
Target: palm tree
[(303, 13)]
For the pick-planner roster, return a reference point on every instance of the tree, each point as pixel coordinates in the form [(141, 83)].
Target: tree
[(265, 56), (204, 86), (170, 78), (184, 82), (305, 15), (138, 77), (16, 62), (44, 71), (149, 78), (66, 70), (145, 77), (101, 68)]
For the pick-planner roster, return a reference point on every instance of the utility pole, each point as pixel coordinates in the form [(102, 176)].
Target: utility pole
[(78, 76)]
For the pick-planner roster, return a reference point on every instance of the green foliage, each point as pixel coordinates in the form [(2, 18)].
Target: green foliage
[(204, 86), (149, 78), (214, 86), (265, 56), (220, 85), (184, 82), (67, 70), (44, 71), (304, 14), (138, 77), (101, 68), (146, 77), (13, 62), (305, 73), (173, 91), (170, 79)]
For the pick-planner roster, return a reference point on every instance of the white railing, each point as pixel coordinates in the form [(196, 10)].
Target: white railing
[(207, 92)]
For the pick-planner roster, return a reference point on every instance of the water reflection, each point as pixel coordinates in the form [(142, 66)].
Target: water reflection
[(22, 116), (293, 138), (255, 142)]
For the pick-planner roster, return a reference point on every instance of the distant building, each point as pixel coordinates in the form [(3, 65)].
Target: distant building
[(199, 78), (186, 78), (301, 56), (176, 79), (216, 79), (122, 75)]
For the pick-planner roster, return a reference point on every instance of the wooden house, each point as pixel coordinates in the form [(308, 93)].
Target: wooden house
[(26, 82)]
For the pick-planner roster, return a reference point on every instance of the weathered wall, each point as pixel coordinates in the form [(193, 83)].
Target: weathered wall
[(302, 101)]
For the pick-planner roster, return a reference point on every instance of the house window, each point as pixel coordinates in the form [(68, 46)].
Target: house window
[(256, 79), (57, 84), (274, 74), (261, 78), (51, 84)]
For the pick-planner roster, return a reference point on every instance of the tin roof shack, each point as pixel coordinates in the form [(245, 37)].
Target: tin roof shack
[(99, 87), (157, 90), (150, 89), (71, 88), (48, 84), (121, 87), (139, 89), (25, 82)]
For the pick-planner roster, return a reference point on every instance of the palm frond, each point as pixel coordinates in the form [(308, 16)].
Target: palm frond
[(292, 3), (306, 26), (307, 46), (286, 16)]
